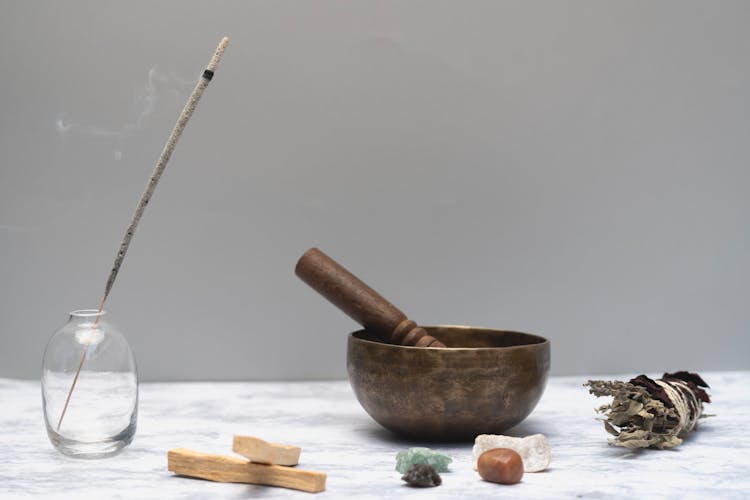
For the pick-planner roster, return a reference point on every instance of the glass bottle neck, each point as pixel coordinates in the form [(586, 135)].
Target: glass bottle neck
[(88, 325), (87, 316)]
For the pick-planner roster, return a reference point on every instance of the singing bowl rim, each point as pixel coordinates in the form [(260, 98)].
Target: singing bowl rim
[(539, 341)]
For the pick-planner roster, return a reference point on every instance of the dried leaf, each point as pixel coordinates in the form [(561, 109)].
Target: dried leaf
[(639, 420), (611, 429), (634, 408)]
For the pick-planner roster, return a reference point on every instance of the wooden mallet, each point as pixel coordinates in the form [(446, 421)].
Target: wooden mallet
[(360, 302)]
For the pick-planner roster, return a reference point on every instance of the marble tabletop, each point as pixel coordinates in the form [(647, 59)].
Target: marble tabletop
[(339, 438)]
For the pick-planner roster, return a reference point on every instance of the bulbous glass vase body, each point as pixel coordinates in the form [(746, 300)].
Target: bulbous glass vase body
[(89, 387)]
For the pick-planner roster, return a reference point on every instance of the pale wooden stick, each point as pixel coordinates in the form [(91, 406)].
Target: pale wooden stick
[(227, 469), (166, 154), (80, 366), (263, 452)]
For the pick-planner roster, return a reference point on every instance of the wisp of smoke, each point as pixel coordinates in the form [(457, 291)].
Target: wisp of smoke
[(158, 83)]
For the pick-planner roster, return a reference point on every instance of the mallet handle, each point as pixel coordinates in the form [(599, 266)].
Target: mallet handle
[(360, 302)]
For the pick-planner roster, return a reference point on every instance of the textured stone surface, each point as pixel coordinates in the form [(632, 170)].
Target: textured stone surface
[(422, 475), (419, 455), (500, 465), (338, 437), (534, 450)]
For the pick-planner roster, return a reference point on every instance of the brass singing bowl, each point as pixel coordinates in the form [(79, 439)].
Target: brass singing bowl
[(486, 382)]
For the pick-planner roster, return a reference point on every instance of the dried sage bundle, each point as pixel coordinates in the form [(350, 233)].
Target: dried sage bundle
[(648, 413)]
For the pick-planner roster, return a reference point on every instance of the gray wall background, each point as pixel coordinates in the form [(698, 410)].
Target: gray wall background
[(574, 169)]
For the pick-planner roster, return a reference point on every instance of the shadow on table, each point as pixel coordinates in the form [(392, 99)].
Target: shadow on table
[(528, 427), (374, 431)]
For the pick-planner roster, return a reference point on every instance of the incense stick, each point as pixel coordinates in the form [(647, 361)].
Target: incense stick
[(161, 164)]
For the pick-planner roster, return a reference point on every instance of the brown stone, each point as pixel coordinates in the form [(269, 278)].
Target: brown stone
[(500, 465)]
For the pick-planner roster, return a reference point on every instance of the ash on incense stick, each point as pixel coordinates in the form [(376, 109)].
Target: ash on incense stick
[(646, 413)]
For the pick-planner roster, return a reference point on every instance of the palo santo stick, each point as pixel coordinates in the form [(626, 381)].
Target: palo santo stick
[(161, 164), (263, 452), (225, 469)]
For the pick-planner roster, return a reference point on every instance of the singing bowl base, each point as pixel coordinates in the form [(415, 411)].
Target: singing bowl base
[(486, 382)]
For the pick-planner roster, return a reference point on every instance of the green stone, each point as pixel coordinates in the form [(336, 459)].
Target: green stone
[(407, 458)]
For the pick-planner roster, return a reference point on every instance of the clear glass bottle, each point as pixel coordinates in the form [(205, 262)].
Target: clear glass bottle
[(97, 417)]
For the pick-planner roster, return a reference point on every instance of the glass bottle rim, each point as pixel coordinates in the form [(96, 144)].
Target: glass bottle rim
[(87, 313)]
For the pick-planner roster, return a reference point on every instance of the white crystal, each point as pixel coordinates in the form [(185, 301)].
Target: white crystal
[(534, 450)]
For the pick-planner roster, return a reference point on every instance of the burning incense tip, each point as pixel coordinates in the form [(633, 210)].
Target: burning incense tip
[(217, 55)]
